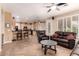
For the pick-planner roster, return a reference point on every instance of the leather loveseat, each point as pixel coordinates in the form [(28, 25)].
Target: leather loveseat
[(66, 39)]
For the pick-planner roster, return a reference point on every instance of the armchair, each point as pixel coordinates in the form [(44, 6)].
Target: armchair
[(41, 35)]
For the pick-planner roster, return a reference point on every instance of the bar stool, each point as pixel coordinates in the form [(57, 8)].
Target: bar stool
[(14, 36), (25, 34), (19, 35)]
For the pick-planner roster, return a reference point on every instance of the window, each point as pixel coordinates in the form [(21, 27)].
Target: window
[(75, 24), (64, 23), (68, 24), (60, 25)]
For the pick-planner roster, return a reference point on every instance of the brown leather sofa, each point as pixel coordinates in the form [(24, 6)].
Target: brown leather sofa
[(65, 39)]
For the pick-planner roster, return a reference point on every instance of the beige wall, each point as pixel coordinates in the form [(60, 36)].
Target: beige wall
[(72, 13), (13, 23), (35, 26), (40, 26), (8, 30), (6, 17)]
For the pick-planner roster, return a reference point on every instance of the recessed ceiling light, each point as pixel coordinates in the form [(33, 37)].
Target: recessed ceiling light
[(17, 17)]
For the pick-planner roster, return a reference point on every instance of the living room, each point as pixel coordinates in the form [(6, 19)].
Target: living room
[(63, 29)]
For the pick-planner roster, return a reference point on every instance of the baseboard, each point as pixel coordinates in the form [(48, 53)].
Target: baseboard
[(7, 42)]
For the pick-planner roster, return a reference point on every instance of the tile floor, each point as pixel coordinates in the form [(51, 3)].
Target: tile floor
[(31, 47)]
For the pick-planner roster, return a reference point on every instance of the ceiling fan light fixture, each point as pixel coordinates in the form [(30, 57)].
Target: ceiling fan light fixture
[(53, 8), (17, 17), (57, 6)]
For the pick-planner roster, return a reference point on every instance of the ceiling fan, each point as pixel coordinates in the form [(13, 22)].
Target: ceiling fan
[(56, 6)]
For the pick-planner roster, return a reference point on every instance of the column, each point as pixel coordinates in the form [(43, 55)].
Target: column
[(2, 24), (0, 29)]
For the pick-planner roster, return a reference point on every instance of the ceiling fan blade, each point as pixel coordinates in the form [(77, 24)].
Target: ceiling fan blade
[(60, 4), (47, 6), (49, 10), (66, 4), (52, 4)]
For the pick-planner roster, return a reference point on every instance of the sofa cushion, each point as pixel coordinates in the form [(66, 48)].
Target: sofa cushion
[(63, 40), (70, 36), (59, 33), (55, 35), (65, 33)]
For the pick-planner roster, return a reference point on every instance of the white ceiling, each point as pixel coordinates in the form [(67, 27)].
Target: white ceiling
[(36, 11)]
